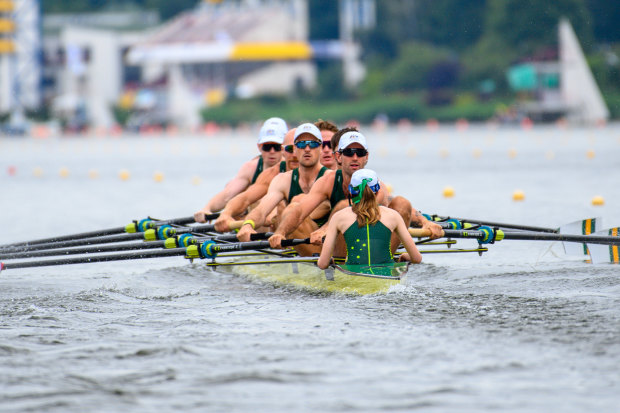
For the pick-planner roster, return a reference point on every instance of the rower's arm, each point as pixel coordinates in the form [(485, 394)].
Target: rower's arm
[(238, 184), (242, 201), (256, 218), (328, 246), (405, 238), (295, 213), (419, 221)]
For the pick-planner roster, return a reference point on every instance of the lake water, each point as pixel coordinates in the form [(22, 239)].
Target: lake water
[(524, 328)]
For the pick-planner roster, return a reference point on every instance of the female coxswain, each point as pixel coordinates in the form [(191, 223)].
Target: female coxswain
[(367, 227)]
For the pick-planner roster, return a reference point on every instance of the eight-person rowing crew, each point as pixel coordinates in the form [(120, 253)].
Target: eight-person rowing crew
[(317, 187)]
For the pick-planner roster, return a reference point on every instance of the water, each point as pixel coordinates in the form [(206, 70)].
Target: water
[(522, 328)]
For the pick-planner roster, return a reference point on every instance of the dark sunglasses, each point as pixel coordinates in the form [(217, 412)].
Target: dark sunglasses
[(269, 146), (327, 144), (289, 148), (349, 152), (311, 144)]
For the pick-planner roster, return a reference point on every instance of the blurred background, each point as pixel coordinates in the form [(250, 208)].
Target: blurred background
[(109, 67)]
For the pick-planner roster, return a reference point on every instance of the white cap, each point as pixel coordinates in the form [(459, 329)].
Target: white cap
[(352, 137), (273, 130), (308, 128), (361, 174)]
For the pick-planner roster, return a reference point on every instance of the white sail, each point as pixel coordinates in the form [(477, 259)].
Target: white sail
[(579, 89)]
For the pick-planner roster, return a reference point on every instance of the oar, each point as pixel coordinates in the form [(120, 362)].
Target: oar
[(134, 227), (207, 249), (464, 223), (159, 233), (183, 240), (486, 235)]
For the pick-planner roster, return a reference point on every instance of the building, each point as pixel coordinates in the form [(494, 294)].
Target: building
[(562, 88)]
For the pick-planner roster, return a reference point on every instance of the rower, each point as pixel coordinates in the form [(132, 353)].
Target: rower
[(238, 205), (270, 139), (367, 227), (328, 130), (291, 184), (352, 155)]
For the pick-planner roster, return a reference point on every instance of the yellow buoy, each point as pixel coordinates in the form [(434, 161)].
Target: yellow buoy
[(38, 172), (518, 195), (598, 201), (158, 176), (64, 172), (590, 154), (448, 192), (124, 175), (412, 153), (196, 180), (512, 153), (93, 174), (477, 153), (444, 153)]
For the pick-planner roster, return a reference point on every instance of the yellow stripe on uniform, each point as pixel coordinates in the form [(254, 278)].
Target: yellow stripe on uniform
[(271, 51)]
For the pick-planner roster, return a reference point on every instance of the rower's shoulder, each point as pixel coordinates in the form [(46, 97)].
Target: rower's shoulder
[(328, 177), (268, 174), (249, 167)]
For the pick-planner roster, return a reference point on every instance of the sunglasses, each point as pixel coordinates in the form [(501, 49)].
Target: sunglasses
[(349, 152), (311, 144), (327, 144), (289, 148), (267, 147)]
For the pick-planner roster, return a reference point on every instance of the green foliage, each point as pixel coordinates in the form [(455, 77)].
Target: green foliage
[(410, 72), (526, 25), (455, 24)]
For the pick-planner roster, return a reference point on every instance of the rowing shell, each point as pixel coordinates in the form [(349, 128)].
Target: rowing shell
[(303, 273)]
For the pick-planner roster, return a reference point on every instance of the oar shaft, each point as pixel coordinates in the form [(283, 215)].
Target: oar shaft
[(109, 239), (494, 224), (104, 232), (122, 247), (97, 258), (525, 235)]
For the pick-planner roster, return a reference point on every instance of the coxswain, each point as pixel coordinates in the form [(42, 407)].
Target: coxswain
[(367, 227)]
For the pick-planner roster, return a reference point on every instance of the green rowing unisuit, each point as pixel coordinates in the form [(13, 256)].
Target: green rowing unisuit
[(295, 189), (368, 245), (337, 191), (259, 169)]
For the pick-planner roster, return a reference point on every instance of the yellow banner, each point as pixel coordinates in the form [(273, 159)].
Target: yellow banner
[(6, 46), (271, 51), (6, 5), (7, 26)]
